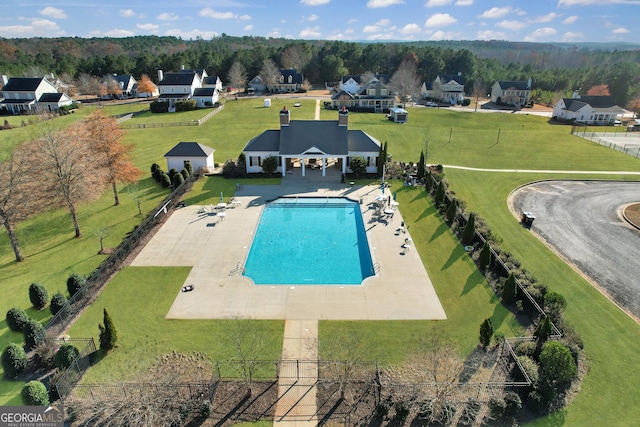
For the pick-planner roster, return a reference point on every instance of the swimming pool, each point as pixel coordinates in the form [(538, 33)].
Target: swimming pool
[(310, 241)]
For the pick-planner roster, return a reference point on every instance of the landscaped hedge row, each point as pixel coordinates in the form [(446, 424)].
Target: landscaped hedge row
[(551, 364), (173, 177)]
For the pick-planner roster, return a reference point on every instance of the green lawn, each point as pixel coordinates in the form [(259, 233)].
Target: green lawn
[(611, 339)]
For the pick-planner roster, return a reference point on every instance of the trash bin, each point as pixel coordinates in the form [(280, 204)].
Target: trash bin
[(527, 219)]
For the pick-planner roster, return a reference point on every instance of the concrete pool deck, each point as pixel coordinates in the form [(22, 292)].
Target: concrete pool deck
[(216, 250)]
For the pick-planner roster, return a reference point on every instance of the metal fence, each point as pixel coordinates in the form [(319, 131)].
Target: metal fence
[(173, 124), (70, 377), (600, 136), (96, 281)]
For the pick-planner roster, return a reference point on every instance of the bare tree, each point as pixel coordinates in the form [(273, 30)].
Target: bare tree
[(110, 86), (154, 397), (112, 156), (478, 91), (237, 75), (133, 189), (68, 167), (249, 343), (366, 77), (634, 105), (296, 56), (17, 194), (269, 73), (88, 84), (405, 81), (72, 86)]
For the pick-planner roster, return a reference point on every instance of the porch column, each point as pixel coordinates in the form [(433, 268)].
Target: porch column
[(283, 160), (324, 166), (344, 164), (303, 165)]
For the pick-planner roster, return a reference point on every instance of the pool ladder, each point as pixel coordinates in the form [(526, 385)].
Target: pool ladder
[(238, 269), (376, 268)]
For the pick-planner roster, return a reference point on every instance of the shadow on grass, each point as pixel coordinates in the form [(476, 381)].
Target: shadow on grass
[(473, 280), (39, 315), (443, 227)]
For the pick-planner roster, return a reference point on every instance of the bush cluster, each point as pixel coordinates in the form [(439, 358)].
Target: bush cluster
[(38, 296), (14, 360), (57, 303), (34, 393), (75, 283), (16, 319), (66, 355)]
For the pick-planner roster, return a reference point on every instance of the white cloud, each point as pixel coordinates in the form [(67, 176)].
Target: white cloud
[(512, 25), (311, 18), (349, 31), (53, 12), (314, 2), (540, 33), (620, 30), (571, 36), (376, 27), (464, 3), (167, 16), (310, 33), (410, 29), (210, 13), (248, 27), (436, 3), (192, 34), (117, 32), (546, 18), (381, 36), (374, 4), (337, 36), (442, 35), (244, 17), (352, 21), (495, 12), (491, 35), (148, 27), (37, 28), (570, 20), (274, 34), (127, 13), (440, 20)]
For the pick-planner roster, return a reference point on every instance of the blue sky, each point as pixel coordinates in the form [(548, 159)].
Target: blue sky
[(348, 20)]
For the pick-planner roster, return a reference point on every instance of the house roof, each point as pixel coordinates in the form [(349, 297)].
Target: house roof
[(504, 85), (174, 96), (454, 77), (604, 104), (359, 140), (125, 81), (22, 84), (178, 79), (51, 97), (342, 95), (211, 80), (296, 77), (269, 140), (204, 91), (190, 149), (199, 71), (356, 78), (378, 86)]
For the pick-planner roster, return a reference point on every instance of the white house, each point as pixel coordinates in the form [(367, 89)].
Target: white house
[(315, 144), (589, 110), (205, 96), (374, 96), (447, 89), (516, 94), (177, 86), (22, 94), (198, 154), (212, 81), (287, 81), (127, 85), (257, 84), (350, 84)]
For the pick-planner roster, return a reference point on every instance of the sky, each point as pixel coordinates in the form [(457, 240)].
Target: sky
[(347, 20)]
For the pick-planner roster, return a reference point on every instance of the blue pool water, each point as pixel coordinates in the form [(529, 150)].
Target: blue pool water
[(310, 241)]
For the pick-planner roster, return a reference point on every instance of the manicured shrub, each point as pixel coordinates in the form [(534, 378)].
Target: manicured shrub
[(557, 367), (165, 180), (513, 404), (543, 331), (108, 334), (530, 367), (484, 259), (157, 174), (185, 173), (57, 303), (509, 289), (358, 165), (75, 283), (189, 167), (526, 348), (34, 393), (270, 164), (16, 319), (159, 107), (14, 360), (177, 180), (486, 332), (438, 198), (154, 167), (66, 355), (32, 332), (554, 303), (452, 211), (172, 172), (469, 232), (38, 296)]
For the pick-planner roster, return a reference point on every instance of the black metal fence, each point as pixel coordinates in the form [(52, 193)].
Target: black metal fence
[(70, 377), (96, 281)]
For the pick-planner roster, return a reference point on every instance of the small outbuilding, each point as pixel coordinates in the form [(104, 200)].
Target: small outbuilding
[(398, 115), (198, 154)]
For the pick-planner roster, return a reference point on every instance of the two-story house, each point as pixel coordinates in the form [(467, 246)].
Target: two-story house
[(374, 96), (127, 85), (354, 83), (445, 88), (588, 110), (287, 81), (30, 94), (176, 87), (516, 94)]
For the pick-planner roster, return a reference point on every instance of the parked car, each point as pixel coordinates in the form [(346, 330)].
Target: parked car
[(634, 128), (431, 104)]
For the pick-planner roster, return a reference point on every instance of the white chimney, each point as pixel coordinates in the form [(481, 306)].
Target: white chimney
[(160, 76), (182, 67), (576, 94), (5, 80), (529, 83)]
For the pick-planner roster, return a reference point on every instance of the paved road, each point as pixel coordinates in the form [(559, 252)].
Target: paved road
[(582, 221)]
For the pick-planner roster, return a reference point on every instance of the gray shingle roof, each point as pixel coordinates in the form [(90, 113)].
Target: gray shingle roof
[(296, 77), (22, 84), (269, 140), (504, 85), (204, 91), (190, 149), (50, 97), (178, 79), (603, 104), (455, 78), (361, 141)]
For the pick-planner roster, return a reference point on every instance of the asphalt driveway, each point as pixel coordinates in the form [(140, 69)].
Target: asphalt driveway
[(583, 221)]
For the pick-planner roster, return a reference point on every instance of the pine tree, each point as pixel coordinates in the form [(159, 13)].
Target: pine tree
[(421, 166), (108, 334), (484, 259), (469, 232), (486, 332), (543, 331), (439, 197), (509, 289), (452, 211)]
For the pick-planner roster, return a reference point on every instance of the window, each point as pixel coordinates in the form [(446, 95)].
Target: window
[(255, 161), (290, 79), (281, 78)]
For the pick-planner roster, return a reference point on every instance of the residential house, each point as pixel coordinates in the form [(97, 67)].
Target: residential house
[(205, 96), (127, 85), (176, 87), (354, 83), (212, 81), (257, 84), (588, 110), (287, 81), (516, 94), (312, 144), (200, 156), (374, 96), (448, 89), (154, 92), (28, 94)]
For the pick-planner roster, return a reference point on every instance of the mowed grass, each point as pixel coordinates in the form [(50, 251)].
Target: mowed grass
[(137, 300), (609, 394)]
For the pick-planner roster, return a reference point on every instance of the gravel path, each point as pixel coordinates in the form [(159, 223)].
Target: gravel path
[(582, 220)]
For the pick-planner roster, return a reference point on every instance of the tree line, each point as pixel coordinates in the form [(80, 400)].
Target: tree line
[(323, 61)]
